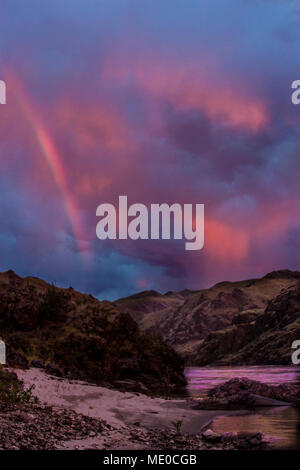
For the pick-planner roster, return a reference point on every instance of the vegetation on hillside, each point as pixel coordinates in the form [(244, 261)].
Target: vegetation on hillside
[(75, 335)]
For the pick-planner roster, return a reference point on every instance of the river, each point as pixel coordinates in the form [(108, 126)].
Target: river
[(278, 424)]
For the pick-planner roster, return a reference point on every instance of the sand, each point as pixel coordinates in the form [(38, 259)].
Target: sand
[(120, 410)]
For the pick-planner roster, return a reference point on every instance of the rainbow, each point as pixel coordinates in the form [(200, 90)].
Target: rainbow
[(53, 159)]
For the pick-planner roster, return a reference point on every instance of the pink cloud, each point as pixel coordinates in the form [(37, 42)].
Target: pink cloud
[(187, 86)]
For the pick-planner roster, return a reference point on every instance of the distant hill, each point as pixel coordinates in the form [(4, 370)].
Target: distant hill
[(118, 343), (77, 336), (241, 322)]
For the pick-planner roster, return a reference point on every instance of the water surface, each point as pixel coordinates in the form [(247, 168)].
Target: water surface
[(278, 424)]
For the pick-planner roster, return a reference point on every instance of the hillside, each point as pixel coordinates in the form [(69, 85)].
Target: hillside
[(267, 340), (214, 325), (77, 336)]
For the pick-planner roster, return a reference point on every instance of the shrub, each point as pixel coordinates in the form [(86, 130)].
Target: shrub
[(12, 390), (177, 425)]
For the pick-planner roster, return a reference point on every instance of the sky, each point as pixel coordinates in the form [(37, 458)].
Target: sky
[(183, 101)]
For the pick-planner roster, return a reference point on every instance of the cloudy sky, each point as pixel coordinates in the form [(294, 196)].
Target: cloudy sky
[(177, 101)]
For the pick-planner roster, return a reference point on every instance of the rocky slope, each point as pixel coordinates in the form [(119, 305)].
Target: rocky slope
[(244, 322), (266, 340), (75, 335)]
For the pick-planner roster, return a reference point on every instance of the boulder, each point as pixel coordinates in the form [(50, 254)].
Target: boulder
[(245, 390), (211, 436)]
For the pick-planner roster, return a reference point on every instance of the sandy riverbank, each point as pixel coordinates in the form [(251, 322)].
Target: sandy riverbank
[(123, 411)]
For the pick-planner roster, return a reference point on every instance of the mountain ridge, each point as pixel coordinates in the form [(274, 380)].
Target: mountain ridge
[(189, 322)]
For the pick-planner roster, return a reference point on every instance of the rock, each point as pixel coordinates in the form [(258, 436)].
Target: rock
[(265, 401), (132, 386), (38, 364), (243, 393), (253, 393), (229, 435), (211, 436), (28, 426), (53, 370)]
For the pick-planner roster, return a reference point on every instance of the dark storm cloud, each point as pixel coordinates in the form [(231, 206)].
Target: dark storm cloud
[(168, 101)]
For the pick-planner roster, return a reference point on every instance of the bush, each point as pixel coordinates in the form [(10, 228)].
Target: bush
[(12, 390)]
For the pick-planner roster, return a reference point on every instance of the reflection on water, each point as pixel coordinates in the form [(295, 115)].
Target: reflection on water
[(278, 424)]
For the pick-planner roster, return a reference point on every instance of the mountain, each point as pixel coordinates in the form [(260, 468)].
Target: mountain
[(75, 335), (229, 323), (118, 343)]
